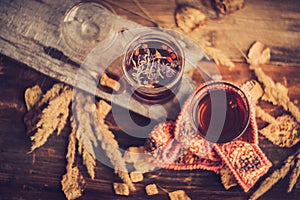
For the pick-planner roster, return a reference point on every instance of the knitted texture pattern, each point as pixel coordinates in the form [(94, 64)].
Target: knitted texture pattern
[(177, 145)]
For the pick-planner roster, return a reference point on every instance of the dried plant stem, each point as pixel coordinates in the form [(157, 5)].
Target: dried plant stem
[(219, 57), (110, 145), (72, 182), (53, 118), (275, 177), (89, 161), (51, 94), (260, 113), (83, 107), (71, 146), (295, 173), (275, 93)]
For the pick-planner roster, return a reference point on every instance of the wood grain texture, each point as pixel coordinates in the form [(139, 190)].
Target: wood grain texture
[(31, 33), (38, 175), (30, 38)]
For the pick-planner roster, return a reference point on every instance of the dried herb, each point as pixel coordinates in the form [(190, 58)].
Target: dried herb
[(295, 173), (110, 145), (284, 132), (89, 161), (275, 93), (73, 184), (32, 96), (275, 177), (219, 57), (83, 107), (260, 113), (153, 64), (71, 146), (53, 117)]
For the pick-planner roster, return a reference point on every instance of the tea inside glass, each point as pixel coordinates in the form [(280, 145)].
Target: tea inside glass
[(220, 112), (153, 67)]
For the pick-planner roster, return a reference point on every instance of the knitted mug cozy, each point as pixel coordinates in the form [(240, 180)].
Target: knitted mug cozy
[(179, 146)]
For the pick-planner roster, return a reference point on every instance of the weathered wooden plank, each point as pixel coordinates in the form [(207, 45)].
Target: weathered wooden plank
[(38, 47), (31, 33), (22, 175)]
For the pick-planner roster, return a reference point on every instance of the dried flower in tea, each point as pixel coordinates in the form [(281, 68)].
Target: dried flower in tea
[(153, 65)]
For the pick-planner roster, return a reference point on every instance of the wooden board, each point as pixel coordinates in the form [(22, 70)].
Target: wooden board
[(31, 33), (38, 175)]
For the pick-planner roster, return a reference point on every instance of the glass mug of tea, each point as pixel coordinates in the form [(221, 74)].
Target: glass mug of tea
[(153, 66), (219, 111)]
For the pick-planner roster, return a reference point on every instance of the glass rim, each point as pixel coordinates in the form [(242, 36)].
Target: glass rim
[(209, 86), (158, 36), (79, 48)]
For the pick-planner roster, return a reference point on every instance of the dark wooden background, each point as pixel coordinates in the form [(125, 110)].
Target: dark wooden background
[(37, 175)]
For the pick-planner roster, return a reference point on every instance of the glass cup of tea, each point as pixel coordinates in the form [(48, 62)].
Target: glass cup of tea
[(153, 66), (219, 111)]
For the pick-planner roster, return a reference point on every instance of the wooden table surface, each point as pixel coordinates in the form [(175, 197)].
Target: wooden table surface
[(37, 175)]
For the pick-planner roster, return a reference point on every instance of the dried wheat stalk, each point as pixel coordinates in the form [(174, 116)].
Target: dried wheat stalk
[(73, 184), (219, 57), (89, 161), (274, 177), (275, 93), (285, 132), (260, 113), (83, 107), (71, 146), (295, 173), (110, 145), (53, 118), (51, 94)]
